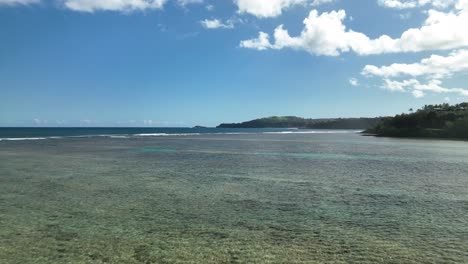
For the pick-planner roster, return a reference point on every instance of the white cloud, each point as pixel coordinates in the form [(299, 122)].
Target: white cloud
[(262, 42), (265, 8), (434, 69), (216, 23), (354, 82), (418, 94), (398, 86), (436, 86), (435, 66), (406, 4), (398, 4), (272, 8), (462, 5), (113, 5), (325, 34), (189, 2), (322, 35), (407, 77), (419, 89), (321, 2), (18, 2)]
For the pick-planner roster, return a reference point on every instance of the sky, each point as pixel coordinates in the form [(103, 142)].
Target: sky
[(180, 63)]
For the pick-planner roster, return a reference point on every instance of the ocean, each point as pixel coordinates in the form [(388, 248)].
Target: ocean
[(165, 195), (37, 133)]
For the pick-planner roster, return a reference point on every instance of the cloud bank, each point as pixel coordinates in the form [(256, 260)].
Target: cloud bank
[(433, 69), (326, 34), (444, 29)]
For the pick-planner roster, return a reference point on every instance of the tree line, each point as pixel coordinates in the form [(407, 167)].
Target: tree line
[(437, 121)]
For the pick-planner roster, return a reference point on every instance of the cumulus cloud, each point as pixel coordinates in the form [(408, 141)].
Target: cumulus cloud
[(434, 69), (427, 75), (113, 5), (262, 42), (435, 66), (326, 34), (265, 8), (216, 23), (419, 89), (18, 2)]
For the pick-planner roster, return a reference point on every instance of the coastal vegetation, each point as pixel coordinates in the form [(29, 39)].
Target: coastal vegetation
[(431, 121), (306, 123)]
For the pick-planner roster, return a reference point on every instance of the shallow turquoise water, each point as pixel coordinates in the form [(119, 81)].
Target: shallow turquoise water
[(275, 198)]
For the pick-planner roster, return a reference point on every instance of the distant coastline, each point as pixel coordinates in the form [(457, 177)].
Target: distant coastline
[(442, 121), (306, 123)]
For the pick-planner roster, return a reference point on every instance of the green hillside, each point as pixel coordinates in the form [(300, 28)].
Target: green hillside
[(436, 121), (306, 123)]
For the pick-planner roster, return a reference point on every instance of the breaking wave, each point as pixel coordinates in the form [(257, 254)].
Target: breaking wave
[(144, 135)]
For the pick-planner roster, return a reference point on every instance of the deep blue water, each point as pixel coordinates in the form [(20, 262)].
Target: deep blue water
[(7, 133)]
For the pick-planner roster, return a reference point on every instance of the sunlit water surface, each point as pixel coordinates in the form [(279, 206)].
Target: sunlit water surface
[(227, 198)]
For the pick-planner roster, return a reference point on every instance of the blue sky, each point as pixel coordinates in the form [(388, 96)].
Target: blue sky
[(189, 62)]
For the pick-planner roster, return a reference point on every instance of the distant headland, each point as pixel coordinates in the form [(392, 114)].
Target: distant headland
[(431, 121)]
